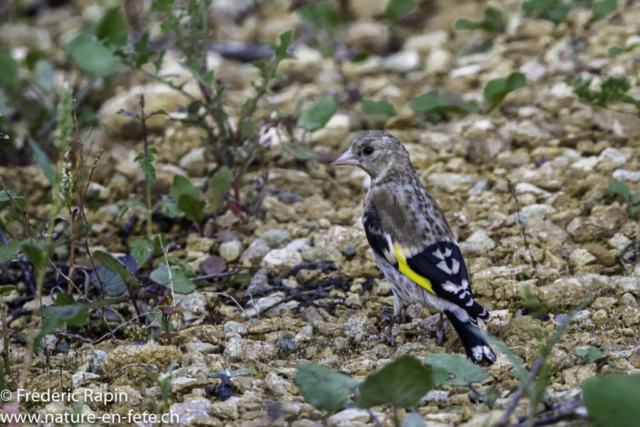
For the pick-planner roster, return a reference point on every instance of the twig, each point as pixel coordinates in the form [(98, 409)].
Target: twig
[(523, 226), (143, 119), (68, 279), (562, 410), (215, 276), (5, 334), (518, 394), (375, 419)]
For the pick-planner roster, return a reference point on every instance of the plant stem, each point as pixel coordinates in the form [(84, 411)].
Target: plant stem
[(143, 119), (396, 421), (5, 334)]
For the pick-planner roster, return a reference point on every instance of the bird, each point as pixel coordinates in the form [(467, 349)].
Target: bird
[(412, 242)]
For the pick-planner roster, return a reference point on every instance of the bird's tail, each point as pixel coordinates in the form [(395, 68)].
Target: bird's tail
[(474, 344)]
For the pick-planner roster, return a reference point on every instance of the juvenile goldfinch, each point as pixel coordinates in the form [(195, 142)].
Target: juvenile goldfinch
[(412, 241)]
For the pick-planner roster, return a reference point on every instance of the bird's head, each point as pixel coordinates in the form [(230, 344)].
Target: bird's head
[(377, 153)]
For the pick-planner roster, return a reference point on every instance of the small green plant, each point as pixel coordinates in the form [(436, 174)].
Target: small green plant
[(612, 92), (497, 89), (604, 7), (493, 22), (401, 383), (533, 383), (145, 160), (617, 50), (593, 355), (632, 200), (437, 107), (163, 381), (552, 10)]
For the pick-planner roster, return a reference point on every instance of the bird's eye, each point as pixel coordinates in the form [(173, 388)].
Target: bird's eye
[(368, 150)]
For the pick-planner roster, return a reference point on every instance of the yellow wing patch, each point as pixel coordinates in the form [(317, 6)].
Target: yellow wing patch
[(407, 271)]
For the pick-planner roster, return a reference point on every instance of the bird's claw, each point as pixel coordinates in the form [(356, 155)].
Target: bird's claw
[(388, 335), (439, 331)]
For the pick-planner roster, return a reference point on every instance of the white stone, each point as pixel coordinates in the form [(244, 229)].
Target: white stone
[(626, 175), (438, 61), (426, 42), (478, 242), (402, 61), (465, 71), (533, 211), (533, 70), (279, 261), (526, 188), (587, 164), (612, 155), (451, 182), (194, 162), (231, 250)]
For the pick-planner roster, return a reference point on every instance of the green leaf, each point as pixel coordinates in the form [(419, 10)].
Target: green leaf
[(378, 107), (127, 206), (460, 370), (492, 22), (5, 200), (9, 252), (158, 112), (7, 289), (317, 116), (552, 10), (43, 161), (398, 9), (590, 353), (113, 264), (219, 184), (497, 89), (434, 107), (401, 383), (193, 209), (146, 163), (141, 251), (300, 152), (240, 279), (612, 400), (620, 188), (112, 28), (181, 283), (321, 16), (324, 388), (491, 396), (72, 312), (413, 419), (44, 74), (8, 70), (114, 285), (615, 51), (604, 7), (91, 56), (170, 206), (36, 252), (182, 185)]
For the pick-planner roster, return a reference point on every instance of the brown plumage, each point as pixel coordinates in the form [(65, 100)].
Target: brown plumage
[(412, 241)]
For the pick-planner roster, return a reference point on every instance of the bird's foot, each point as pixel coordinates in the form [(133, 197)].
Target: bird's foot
[(388, 335), (439, 329)]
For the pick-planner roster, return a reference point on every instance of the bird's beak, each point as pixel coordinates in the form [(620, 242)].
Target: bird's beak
[(347, 158)]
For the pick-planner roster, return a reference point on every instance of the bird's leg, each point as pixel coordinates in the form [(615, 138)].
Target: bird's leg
[(397, 309), (439, 330)]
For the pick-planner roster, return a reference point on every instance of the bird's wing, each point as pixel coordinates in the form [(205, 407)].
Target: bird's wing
[(439, 267)]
